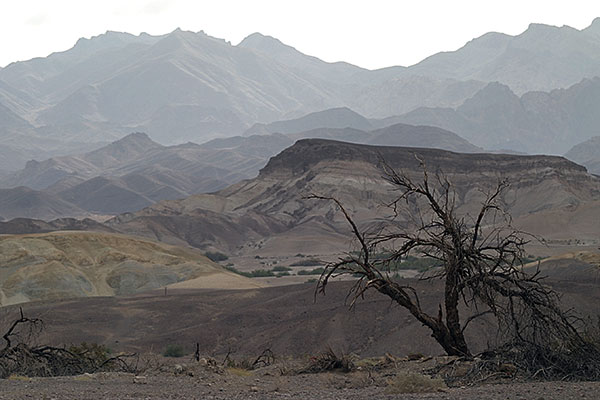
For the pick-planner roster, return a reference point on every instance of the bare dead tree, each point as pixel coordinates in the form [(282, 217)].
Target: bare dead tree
[(479, 261), (19, 357), (34, 325)]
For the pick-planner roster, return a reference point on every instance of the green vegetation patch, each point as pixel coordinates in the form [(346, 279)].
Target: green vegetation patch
[(315, 271), (173, 350), (216, 256), (257, 273), (309, 262)]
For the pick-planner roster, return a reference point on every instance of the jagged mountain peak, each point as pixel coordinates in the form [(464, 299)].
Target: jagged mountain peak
[(338, 117), (493, 93), (137, 137), (594, 28), (126, 149), (265, 43), (108, 40), (139, 140)]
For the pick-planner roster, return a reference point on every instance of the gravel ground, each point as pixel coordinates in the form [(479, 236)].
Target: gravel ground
[(268, 383)]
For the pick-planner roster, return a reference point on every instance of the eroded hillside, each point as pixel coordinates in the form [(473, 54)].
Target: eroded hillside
[(69, 264), (273, 209)]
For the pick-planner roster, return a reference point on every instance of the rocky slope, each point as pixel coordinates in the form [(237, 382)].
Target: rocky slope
[(28, 203), (272, 210)]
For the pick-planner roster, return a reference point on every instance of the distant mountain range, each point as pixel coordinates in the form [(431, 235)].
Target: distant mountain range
[(542, 58), (549, 196), (126, 175), (270, 217), (135, 172), (536, 122), (187, 86)]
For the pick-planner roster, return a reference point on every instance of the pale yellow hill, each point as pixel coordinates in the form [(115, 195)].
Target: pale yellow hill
[(79, 264)]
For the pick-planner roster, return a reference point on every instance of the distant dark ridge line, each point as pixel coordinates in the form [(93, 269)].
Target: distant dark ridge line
[(306, 153)]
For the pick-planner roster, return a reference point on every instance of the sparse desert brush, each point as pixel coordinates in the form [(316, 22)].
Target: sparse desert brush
[(95, 351), (239, 371), (409, 382), (173, 350), (329, 360), (15, 377), (264, 359), (315, 271)]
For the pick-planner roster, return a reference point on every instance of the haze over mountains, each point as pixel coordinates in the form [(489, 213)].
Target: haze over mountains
[(542, 58), (229, 141), (536, 122), (186, 86), (587, 154), (135, 172), (125, 175)]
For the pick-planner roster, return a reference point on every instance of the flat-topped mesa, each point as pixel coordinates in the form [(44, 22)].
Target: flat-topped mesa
[(274, 207), (307, 153)]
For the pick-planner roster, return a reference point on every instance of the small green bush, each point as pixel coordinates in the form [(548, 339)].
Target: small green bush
[(281, 268), (315, 271), (231, 268), (259, 273), (173, 350), (310, 262), (216, 256), (93, 351)]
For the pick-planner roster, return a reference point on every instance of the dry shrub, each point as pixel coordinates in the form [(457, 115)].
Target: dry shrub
[(414, 383), (174, 350), (19, 358), (239, 371), (55, 361), (265, 359), (328, 361)]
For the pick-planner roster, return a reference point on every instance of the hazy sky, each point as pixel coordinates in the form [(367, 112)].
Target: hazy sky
[(370, 33)]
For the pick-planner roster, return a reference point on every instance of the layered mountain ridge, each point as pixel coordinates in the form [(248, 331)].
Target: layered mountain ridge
[(186, 86), (536, 122), (273, 208), (135, 172)]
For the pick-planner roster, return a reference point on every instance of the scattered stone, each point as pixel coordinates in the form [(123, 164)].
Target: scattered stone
[(178, 369)]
